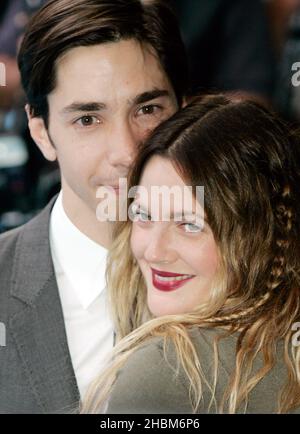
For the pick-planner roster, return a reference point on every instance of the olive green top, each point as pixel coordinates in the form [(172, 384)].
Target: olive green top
[(148, 383)]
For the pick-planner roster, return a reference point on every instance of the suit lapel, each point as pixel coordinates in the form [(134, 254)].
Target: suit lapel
[(38, 324)]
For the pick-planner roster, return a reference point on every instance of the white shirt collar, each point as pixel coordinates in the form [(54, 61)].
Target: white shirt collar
[(82, 260)]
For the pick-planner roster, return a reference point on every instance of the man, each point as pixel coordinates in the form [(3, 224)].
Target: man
[(99, 76)]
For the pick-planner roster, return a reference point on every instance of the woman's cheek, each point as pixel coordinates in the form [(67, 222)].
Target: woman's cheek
[(138, 241), (201, 256)]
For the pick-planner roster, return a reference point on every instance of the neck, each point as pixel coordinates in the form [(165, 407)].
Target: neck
[(85, 219)]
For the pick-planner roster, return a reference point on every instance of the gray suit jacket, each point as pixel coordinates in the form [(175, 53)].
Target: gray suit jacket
[(36, 372)]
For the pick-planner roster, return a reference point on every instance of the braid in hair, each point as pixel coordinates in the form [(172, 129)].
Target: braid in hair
[(284, 217), (238, 316)]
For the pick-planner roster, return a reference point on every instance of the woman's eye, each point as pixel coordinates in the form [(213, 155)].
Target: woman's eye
[(87, 121), (191, 228), (139, 215)]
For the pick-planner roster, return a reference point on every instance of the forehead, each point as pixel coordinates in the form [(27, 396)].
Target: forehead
[(160, 171), (161, 187), (109, 71)]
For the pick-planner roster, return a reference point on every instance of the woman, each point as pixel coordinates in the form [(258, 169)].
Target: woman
[(210, 303)]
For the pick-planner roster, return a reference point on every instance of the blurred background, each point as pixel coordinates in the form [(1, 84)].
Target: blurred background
[(247, 48)]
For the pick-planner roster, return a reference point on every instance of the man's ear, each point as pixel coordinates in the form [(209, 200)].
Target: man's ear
[(184, 102), (39, 134)]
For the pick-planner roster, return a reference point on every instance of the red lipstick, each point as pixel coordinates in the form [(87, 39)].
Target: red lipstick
[(167, 281)]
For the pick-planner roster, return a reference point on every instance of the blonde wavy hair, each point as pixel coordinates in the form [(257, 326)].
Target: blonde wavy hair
[(248, 162)]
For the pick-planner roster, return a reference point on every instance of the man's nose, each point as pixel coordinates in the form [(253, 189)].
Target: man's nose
[(123, 145), (160, 248)]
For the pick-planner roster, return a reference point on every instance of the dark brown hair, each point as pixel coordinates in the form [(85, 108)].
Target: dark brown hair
[(249, 164), (248, 161), (63, 24)]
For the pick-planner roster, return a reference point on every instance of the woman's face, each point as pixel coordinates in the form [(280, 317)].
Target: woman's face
[(178, 258)]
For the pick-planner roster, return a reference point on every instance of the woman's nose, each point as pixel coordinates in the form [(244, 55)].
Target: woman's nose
[(160, 248)]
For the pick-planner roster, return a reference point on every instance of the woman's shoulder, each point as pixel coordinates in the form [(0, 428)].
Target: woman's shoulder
[(207, 339), (147, 383), (158, 350), (153, 380)]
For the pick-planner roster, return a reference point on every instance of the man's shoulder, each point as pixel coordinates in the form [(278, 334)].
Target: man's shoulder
[(39, 224), (9, 239)]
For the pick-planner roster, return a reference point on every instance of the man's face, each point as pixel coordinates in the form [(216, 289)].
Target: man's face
[(107, 99)]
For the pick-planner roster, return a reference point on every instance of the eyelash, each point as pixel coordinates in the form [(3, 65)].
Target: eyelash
[(152, 106), (87, 117), (192, 224), (148, 106), (137, 212)]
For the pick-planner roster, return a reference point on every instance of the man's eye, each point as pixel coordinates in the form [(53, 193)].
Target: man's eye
[(87, 121), (150, 109)]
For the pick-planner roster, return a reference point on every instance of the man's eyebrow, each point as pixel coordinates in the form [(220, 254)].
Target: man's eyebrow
[(97, 106), (83, 107), (148, 96)]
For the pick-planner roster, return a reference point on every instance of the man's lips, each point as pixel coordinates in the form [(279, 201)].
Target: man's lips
[(168, 281), (115, 188)]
